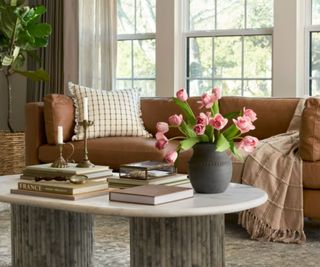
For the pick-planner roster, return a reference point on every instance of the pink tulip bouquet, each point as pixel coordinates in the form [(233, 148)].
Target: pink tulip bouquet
[(207, 127)]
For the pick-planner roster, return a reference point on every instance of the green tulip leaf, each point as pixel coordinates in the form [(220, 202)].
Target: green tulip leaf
[(189, 142), (190, 118), (204, 138), (235, 151), (232, 115), (222, 143), (215, 108), (209, 133), (187, 130), (231, 132)]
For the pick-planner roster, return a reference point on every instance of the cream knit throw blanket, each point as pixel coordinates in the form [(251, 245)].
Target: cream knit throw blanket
[(276, 167)]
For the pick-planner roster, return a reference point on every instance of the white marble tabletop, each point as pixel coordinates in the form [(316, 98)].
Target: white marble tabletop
[(236, 198)]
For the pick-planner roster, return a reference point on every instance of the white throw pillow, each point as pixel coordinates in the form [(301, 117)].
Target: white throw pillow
[(114, 113)]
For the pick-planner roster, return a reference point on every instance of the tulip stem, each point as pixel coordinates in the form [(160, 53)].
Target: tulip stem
[(177, 137)]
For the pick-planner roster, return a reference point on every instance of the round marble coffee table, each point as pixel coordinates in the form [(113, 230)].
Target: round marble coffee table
[(190, 232)]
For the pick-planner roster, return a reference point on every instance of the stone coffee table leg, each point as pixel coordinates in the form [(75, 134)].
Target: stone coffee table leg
[(46, 237), (181, 241)]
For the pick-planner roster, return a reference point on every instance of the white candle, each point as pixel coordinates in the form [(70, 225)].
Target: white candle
[(85, 108), (60, 135)]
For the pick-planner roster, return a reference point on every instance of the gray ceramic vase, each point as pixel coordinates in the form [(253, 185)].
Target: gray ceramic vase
[(209, 171)]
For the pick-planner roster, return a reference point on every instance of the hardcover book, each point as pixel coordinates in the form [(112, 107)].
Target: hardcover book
[(60, 196), (71, 170), (65, 188), (121, 186), (30, 174), (161, 180), (151, 194)]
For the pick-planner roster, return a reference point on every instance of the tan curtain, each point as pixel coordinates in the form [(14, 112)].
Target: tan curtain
[(51, 57), (71, 42), (97, 43)]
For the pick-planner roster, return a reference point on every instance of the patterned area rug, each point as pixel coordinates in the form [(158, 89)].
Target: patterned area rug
[(112, 245)]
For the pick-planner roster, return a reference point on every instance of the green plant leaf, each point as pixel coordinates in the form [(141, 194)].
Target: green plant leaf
[(215, 108), (204, 138), (190, 118), (187, 130), (222, 143), (7, 21), (24, 39), (210, 133), (231, 132), (18, 62), (16, 52), (38, 75), (7, 60), (16, 2), (189, 142), (234, 150), (33, 15), (39, 30), (232, 115)]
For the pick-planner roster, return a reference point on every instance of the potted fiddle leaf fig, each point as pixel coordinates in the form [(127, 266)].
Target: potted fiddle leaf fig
[(21, 34)]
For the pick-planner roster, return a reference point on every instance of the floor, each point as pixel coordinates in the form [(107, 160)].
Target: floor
[(113, 249)]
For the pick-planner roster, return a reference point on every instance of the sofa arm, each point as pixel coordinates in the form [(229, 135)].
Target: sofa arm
[(310, 130), (35, 131)]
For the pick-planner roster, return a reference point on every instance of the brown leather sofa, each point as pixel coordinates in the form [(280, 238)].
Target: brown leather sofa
[(274, 116)]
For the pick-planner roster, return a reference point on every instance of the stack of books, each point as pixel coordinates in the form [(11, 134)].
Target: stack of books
[(174, 179), (95, 184)]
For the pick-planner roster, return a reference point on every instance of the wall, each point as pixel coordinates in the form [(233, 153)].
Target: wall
[(19, 85)]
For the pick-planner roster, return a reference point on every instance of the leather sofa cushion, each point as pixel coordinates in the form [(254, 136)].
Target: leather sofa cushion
[(58, 110), (310, 174), (110, 150), (310, 130)]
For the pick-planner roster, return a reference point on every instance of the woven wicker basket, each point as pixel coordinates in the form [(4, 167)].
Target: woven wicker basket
[(12, 152)]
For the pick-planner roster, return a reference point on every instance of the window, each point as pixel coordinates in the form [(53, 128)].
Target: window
[(136, 45), (229, 44), (314, 49)]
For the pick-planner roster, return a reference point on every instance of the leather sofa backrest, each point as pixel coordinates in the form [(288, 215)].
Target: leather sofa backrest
[(310, 130), (58, 111), (274, 114)]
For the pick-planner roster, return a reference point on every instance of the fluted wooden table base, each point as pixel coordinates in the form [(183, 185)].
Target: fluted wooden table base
[(45, 237), (175, 242)]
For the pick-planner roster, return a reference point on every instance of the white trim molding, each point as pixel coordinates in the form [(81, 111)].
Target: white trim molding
[(288, 48)]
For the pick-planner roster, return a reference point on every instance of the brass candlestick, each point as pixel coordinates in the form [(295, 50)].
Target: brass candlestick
[(60, 162), (85, 163)]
